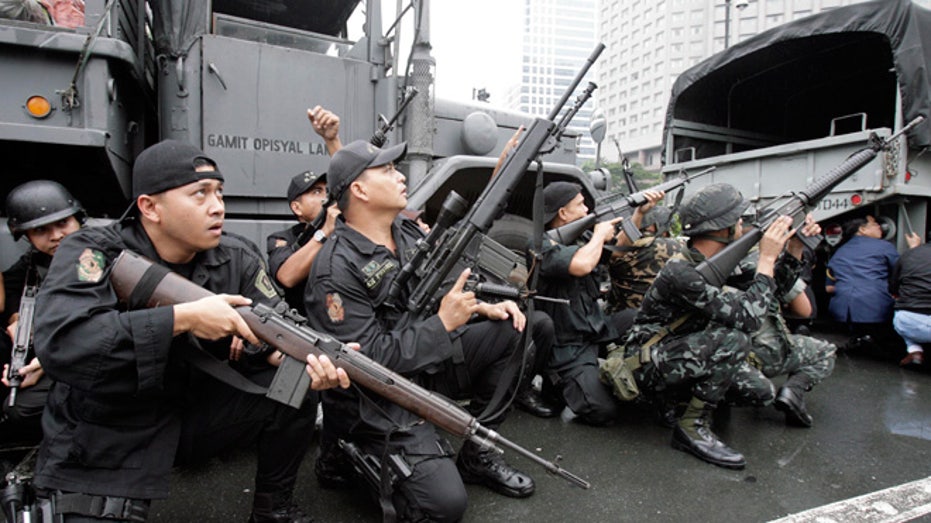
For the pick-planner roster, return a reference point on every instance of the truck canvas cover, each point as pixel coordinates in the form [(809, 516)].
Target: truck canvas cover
[(178, 22), (789, 83)]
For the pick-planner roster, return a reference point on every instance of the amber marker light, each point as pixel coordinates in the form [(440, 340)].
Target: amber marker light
[(38, 106)]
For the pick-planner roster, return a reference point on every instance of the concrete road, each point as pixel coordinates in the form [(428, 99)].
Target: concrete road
[(872, 431)]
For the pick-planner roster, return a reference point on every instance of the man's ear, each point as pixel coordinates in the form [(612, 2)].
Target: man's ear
[(295, 207), (563, 214), (148, 207), (359, 190)]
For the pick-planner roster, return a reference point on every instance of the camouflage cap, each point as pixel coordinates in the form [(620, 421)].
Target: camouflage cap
[(715, 207)]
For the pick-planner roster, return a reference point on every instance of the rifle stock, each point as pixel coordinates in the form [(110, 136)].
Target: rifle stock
[(618, 207), (22, 342), (717, 268), (287, 333)]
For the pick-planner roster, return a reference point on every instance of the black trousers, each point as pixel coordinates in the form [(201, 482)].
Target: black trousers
[(434, 491), (220, 418)]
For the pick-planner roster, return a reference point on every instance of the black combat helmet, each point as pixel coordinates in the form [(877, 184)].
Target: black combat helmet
[(715, 207), (37, 203)]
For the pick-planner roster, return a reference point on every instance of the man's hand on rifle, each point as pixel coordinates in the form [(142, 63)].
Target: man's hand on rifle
[(913, 240), (326, 124), (772, 243), (809, 227), (332, 212), (502, 311), (30, 373), (11, 328), (508, 147), (653, 197), (213, 317), (324, 375), (458, 305)]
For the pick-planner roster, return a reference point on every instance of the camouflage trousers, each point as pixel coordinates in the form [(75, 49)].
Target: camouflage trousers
[(776, 352), (705, 361)]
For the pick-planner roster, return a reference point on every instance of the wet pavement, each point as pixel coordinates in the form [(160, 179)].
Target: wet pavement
[(872, 431)]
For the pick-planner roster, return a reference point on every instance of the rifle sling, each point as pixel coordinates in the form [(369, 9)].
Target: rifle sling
[(200, 358), (208, 364), (139, 298), (643, 357)]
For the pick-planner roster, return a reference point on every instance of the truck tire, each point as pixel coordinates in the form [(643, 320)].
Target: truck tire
[(514, 232)]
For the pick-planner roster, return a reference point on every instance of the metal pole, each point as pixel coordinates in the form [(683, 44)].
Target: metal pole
[(727, 23)]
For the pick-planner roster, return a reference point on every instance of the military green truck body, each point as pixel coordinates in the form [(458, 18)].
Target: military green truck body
[(235, 77)]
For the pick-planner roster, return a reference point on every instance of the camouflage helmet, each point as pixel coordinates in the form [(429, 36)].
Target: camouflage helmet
[(715, 207), (658, 216), (37, 203)]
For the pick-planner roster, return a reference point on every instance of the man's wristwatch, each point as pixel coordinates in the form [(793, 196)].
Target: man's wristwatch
[(320, 236)]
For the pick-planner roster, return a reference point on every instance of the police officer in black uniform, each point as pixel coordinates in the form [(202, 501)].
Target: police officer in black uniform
[(125, 399), (43, 212), (292, 251), (570, 272), (347, 295)]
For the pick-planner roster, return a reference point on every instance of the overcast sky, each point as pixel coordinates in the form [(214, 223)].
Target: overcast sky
[(476, 44)]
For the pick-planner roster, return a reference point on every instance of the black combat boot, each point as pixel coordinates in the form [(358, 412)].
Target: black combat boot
[(791, 400), (693, 435), (276, 508), (332, 467), (487, 467), (532, 402)]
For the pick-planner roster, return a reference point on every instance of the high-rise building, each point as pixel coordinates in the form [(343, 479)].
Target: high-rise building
[(558, 36), (649, 42)]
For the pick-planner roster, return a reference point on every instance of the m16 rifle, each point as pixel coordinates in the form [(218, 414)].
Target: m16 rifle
[(615, 206), (140, 283), (717, 268), (22, 342), (461, 247), (378, 139)]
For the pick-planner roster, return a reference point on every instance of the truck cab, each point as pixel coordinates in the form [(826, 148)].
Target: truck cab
[(235, 78)]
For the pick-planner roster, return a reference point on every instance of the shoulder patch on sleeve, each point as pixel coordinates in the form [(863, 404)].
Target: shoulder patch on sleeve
[(264, 284), (90, 265), (334, 307)]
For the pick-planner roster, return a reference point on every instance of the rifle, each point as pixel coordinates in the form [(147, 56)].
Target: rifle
[(22, 342), (132, 276), (629, 176), (614, 206), (378, 139), (463, 246), (717, 268)]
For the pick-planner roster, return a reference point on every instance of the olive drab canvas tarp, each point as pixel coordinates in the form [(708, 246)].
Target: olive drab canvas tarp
[(787, 84), (178, 23)]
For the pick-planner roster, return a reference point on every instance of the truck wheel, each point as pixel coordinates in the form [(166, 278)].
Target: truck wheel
[(514, 232)]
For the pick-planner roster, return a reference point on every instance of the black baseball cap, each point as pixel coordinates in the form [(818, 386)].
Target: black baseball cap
[(166, 165), (349, 162), (302, 183), (555, 196)]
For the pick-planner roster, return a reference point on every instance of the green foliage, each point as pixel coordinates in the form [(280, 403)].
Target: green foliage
[(643, 177)]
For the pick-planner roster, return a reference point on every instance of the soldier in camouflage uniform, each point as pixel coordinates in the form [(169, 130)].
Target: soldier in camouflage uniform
[(776, 351), (633, 268), (710, 328)]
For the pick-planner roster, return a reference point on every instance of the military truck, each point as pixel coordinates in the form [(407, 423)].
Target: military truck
[(776, 111), (235, 77)]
